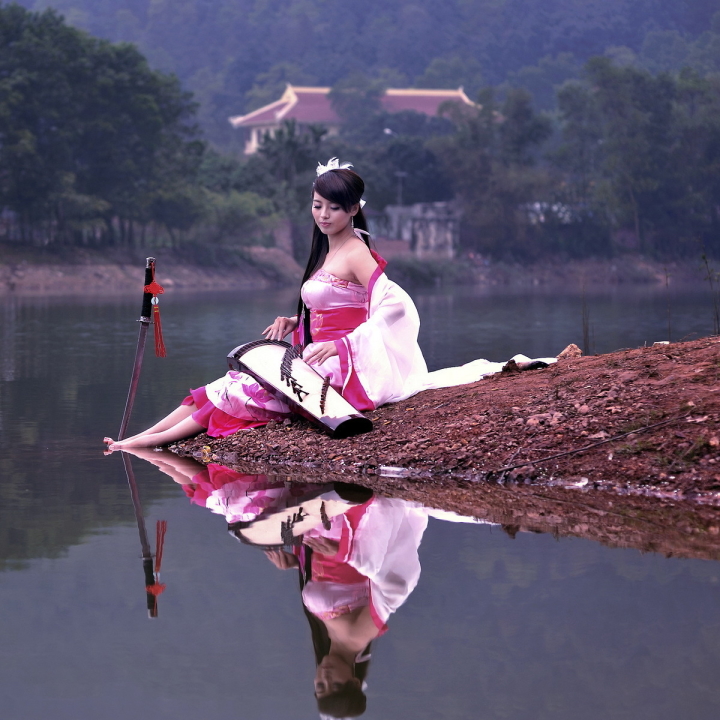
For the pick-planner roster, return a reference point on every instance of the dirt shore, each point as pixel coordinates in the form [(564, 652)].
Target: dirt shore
[(642, 422), (78, 273)]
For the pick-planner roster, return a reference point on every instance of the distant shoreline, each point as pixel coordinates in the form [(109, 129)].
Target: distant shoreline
[(90, 272), (27, 272)]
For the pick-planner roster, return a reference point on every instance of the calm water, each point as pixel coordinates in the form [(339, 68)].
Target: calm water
[(496, 628)]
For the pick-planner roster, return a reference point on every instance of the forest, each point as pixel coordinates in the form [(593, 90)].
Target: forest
[(596, 128)]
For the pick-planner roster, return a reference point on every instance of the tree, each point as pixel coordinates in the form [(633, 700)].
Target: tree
[(619, 132), (86, 127), (356, 100), (289, 157), (544, 79), (452, 73), (491, 162), (270, 85), (696, 159)]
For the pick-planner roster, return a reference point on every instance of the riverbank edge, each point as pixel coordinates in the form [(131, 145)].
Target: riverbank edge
[(642, 422), (85, 272), (38, 272)]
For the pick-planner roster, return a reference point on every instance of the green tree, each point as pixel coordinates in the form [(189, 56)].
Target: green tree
[(696, 160), (86, 128), (491, 161), (224, 50), (619, 133), (239, 218), (544, 79), (452, 73), (356, 100), (289, 157), (270, 85)]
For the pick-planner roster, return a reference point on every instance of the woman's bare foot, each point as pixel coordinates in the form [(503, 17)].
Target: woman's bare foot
[(134, 442)]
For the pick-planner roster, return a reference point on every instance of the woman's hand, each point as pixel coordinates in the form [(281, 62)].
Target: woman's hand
[(316, 353), (322, 545), (282, 560), (280, 328)]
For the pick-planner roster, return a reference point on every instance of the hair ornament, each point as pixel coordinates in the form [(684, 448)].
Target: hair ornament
[(333, 164)]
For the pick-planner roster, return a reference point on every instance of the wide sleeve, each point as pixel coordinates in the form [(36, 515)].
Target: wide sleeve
[(385, 550), (383, 354)]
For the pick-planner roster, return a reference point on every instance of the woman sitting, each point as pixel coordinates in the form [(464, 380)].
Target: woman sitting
[(357, 327)]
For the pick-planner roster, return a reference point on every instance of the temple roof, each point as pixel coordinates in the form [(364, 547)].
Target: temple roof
[(312, 105)]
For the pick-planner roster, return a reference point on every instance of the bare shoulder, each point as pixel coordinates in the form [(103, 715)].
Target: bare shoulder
[(361, 263)]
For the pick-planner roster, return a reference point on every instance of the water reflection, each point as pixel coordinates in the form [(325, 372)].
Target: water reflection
[(355, 553), (357, 558)]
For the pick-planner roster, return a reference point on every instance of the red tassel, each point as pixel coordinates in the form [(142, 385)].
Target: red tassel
[(157, 588), (160, 530), (159, 342), (155, 289)]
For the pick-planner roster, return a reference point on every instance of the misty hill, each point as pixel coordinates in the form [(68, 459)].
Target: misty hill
[(236, 55)]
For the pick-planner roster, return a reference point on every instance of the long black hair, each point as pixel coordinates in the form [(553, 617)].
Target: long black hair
[(350, 700), (345, 188)]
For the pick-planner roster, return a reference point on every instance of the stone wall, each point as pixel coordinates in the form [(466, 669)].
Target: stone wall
[(431, 230)]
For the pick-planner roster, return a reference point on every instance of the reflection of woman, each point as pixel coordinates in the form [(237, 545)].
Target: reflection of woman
[(355, 572), (358, 562), (336, 597), (359, 328)]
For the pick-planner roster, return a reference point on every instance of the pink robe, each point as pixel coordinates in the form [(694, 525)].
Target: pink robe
[(379, 360), (239, 496), (377, 563)]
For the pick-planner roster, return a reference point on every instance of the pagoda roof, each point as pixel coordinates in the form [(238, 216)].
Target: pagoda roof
[(309, 105)]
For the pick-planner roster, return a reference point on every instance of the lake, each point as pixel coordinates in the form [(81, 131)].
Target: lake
[(530, 627)]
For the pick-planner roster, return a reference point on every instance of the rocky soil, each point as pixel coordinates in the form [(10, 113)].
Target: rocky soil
[(641, 422)]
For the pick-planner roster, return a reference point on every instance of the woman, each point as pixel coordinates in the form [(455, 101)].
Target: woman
[(357, 326)]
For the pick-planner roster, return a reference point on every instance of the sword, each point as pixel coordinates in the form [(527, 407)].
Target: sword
[(145, 319), (153, 586)]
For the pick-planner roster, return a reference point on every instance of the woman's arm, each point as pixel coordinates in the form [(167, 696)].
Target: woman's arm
[(282, 560)]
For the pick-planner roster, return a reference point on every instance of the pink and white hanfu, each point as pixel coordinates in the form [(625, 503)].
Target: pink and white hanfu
[(376, 564), (379, 360)]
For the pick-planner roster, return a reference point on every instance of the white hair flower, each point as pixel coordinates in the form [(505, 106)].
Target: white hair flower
[(333, 164)]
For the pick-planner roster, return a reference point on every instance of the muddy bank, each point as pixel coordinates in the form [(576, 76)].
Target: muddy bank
[(85, 272), (674, 528), (553, 272), (643, 421), (589, 273)]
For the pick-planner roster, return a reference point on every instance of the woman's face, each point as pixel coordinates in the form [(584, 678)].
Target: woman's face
[(331, 675), (330, 217)]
